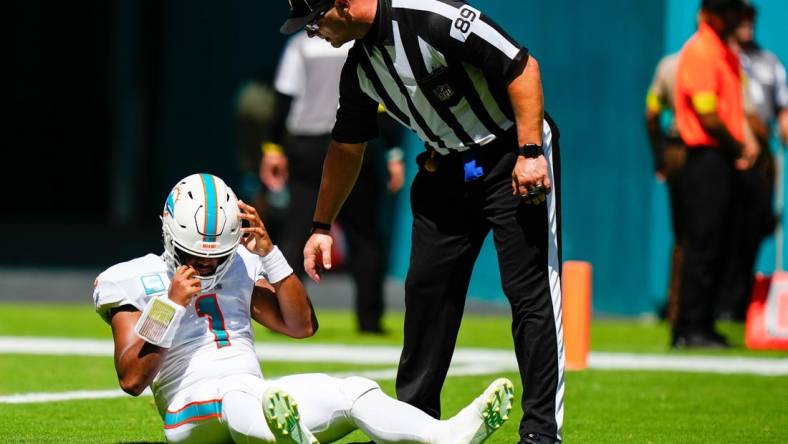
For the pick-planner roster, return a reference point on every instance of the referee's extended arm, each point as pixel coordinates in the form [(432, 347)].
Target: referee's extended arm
[(527, 97), (340, 170)]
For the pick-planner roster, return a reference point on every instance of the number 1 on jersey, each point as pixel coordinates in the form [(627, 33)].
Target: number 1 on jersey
[(208, 307)]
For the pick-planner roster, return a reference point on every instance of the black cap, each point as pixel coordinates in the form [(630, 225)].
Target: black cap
[(302, 12), (720, 6)]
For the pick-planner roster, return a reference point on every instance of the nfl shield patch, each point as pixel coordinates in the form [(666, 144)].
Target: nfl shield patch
[(444, 92)]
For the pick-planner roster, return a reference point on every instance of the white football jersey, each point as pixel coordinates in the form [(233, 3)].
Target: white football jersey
[(215, 336)]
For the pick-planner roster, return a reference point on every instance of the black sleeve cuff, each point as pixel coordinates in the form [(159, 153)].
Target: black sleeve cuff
[(354, 133), (517, 66)]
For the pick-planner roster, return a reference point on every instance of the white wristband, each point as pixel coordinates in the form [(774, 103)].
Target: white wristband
[(159, 321), (275, 265)]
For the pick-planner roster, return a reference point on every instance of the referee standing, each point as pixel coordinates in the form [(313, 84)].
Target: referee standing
[(446, 71)]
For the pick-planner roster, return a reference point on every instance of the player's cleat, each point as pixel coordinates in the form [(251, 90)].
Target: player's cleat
[(281, 415), (486, 414)]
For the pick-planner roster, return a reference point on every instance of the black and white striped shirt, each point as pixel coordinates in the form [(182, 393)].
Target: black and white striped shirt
[(440, 67)]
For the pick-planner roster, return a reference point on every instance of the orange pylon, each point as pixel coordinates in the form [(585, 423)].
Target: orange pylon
[(577, 313)]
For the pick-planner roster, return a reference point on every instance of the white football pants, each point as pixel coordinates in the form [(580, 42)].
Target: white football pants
[(330, 408)]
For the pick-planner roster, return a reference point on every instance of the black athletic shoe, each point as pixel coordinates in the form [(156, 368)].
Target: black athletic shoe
[(380, 331), (711, 340), (535, 438)]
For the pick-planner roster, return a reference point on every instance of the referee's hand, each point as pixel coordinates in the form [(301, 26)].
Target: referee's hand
[(530, 180), (317, 254)]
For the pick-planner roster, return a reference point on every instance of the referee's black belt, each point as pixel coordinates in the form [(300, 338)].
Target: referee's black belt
[(470, 164)]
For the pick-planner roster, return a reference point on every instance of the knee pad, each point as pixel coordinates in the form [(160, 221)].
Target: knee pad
[(354, 387)]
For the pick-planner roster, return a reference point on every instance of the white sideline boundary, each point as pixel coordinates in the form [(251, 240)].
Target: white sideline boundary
[(466, 362)]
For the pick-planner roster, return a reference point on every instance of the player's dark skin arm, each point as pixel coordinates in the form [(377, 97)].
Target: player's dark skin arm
[(284, 307), (136, 361)]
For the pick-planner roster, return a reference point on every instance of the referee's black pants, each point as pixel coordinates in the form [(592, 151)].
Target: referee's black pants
[(451, 218)]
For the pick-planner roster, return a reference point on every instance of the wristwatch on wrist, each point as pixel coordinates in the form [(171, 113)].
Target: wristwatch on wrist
[(320, 226), (530, 150)]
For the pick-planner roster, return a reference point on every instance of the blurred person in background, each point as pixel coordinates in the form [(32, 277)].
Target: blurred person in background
[(712, 124), (182, 325), (307, 96), (669, 154), (254, 106), (474, 96), (766, 104)]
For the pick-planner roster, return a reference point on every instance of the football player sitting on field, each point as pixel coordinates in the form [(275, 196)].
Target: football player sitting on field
[(181, 323)]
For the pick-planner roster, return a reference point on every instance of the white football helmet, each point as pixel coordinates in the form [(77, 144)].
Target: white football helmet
[(201, 218)]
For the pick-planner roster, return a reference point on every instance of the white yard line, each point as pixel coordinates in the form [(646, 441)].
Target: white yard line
[(35, 398), (291, 352), (378, 375), (696, 364), (466, 362)]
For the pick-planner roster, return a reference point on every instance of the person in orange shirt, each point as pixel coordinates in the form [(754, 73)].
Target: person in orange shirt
[(711, 122)]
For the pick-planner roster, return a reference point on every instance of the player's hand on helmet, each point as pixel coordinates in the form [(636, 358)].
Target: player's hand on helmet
[(184, 286), (317, 253), (255, 237), (530, 180)]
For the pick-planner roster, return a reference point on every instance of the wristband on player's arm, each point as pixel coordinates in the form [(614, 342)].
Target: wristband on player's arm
[(275, 265), (159, 321)]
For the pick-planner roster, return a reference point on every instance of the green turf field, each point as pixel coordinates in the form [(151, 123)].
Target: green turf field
[(601, 406)]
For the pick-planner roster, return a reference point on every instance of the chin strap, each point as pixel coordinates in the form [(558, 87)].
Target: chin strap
[(159, 321)]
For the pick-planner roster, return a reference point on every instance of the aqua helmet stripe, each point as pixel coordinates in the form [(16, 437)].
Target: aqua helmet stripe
[(211, 219)]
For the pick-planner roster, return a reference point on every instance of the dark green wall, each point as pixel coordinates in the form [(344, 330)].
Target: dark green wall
[(208, 50)]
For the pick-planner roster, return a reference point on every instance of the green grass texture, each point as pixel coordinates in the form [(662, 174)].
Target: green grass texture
[(600, 406)]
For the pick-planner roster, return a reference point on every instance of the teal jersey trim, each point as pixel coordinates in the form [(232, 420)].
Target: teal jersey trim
[(193, 412)]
